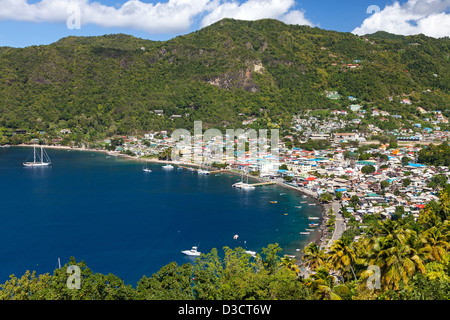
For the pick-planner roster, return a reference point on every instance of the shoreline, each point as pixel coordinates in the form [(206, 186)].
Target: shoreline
[(320, 239)]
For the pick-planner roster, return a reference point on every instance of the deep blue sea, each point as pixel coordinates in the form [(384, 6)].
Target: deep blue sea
[(119, 219)]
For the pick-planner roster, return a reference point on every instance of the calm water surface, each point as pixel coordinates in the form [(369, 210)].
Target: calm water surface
[(118, 219)]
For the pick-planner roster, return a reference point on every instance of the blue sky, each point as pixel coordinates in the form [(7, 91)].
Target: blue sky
[(36, 22)]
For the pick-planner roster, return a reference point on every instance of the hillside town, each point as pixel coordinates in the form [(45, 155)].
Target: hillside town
[(361, 172), (365, 176)]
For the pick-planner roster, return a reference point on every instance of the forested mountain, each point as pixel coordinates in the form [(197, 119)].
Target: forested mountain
[(222, 74)]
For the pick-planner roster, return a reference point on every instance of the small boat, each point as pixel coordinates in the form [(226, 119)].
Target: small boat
[(303, 202), (285, 214), (304, 232), (191, 169), (252, 253), (311, 204), (298, 207), (205, 172), (313, 225), (168, 167), (242, 185), (113, 153), (289, 256), (146, 169), (304, 196), (179, 168), (235, 237), (273, 201), (313, 218), (282, 194), (192, 252), (309, 229), (237, 185)]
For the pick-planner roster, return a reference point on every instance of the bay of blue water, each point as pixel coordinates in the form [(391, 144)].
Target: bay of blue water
[(121, 220)]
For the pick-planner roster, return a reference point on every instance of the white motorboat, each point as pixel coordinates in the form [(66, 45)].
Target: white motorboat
[(313, 218), (192, 252), (305, 232), (252, 253), (205, 172), (168, 167)]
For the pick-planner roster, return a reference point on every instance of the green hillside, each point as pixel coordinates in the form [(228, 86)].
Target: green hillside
[(223, 74)]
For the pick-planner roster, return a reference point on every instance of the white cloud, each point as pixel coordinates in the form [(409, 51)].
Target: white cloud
[(296, 17), (163, 17), (412, 17), (254, 10)]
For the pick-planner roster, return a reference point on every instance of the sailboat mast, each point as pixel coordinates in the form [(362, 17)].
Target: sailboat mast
[(246, 173), (42, 155), (34, 153)]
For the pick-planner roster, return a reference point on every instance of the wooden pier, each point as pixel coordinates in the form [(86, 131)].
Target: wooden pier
[(218, 171), (259, 184), (262, 184), (196, 169)]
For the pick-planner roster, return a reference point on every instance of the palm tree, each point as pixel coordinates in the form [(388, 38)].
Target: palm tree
[(342, 256), (428, 216), (322, 284), (397, 259), (290, 264), (435, 244), (313, 256), (444, 202)]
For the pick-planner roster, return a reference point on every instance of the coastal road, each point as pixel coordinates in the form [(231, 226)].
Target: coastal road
[(339, 225)]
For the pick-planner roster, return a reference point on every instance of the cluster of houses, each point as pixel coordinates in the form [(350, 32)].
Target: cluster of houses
[(327, 171), (432, 128), (404, 185)]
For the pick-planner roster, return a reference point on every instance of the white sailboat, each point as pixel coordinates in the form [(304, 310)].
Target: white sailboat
[(146, 169), (203, 171), (39, 159), (242, 185)]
